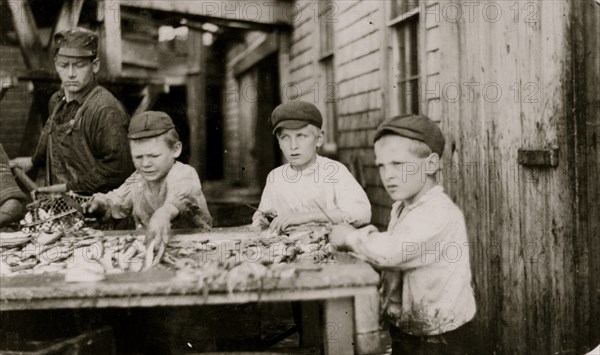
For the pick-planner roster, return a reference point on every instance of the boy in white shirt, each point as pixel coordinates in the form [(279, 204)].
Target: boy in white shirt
[(297, 191), (426, 292)]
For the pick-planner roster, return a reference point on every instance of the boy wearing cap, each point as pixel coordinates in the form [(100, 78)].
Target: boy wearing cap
[(426, 292), (161, 190), (299, 191), (83, 145)]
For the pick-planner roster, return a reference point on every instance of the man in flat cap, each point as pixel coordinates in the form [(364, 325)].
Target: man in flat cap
[(84, 142)]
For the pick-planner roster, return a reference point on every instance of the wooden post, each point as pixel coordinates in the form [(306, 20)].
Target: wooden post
[(68, 18), (27, 32), (338, 329), (196, 109), (109, 38), (366, 320)]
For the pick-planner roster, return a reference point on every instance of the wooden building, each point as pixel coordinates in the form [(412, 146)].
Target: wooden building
[(513, 85), (515, 89)]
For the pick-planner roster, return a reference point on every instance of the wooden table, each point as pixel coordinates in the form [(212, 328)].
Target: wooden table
[(347, 291)]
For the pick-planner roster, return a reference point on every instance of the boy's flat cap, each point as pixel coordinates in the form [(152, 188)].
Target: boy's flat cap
[(416, 127), (295, 114), (76, 42), (149, 124)]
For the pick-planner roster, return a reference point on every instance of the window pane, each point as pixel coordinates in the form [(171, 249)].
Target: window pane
[(413, 37), (414, 96)]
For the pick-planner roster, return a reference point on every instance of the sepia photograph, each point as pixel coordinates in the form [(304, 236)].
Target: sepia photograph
[(246, 177)]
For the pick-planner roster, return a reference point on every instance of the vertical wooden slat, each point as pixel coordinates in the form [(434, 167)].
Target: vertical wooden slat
[(196, 103), (109, 38), (584, 128)]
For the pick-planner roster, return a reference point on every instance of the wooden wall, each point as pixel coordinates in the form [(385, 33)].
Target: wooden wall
[(14, 107), (504, 77)]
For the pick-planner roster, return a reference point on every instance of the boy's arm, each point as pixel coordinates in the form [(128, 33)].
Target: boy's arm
[(351, 200), (118, 203), (413, 244), (184, 194), (266, 204)]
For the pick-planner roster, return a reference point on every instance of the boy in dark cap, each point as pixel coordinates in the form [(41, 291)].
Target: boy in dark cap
[(161, 190), (298, 191), (83, 145), (427, 296)]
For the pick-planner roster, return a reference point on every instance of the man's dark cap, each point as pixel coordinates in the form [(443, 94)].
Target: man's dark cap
[(76, 42), (416, 127), (149, 124), (295, 114)]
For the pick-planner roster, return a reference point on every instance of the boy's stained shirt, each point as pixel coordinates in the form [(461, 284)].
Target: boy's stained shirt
[(181, 188), (424, 256), (327, 184)]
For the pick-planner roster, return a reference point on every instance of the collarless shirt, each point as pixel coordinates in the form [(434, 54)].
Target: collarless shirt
[(180, 188), (326, 184), (424, 255)]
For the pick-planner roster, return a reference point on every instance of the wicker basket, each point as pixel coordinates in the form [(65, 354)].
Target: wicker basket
[(50, 213)]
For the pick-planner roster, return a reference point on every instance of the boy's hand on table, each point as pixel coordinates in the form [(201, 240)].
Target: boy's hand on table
[(338, 235), (280, 223), (159, 229)]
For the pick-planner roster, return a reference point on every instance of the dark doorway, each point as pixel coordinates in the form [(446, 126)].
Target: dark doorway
[(266, 150)]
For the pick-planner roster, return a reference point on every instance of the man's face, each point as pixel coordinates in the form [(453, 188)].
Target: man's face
[(402, 172), (153, 158), (75, 73), (299, 146)]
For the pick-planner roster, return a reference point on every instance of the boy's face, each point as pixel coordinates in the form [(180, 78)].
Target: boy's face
[(299, 146), (153, 158), (75, 73), (402, 172)]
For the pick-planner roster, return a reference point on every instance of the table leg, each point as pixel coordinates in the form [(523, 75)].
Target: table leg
[(366, 320), (338, 326)]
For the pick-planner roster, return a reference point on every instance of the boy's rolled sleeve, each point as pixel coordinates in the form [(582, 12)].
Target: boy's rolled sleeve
[(351, 199), (414, 243), (119, 201), (185, 193)]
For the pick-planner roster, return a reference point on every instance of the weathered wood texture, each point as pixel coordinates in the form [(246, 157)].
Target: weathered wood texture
[(585, 123), (498, 77), (513, 74)]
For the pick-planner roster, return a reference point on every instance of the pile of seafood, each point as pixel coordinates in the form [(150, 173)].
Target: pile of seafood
[(86, 255)]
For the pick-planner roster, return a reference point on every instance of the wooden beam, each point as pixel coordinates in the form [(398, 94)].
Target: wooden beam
[(274, 13), (149, 96), (267, 47), (109, 38), (67, 18), (27, 33), (196, 108)]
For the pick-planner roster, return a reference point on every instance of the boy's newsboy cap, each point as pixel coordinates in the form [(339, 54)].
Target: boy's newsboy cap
[(416, 127), (76, 42), (149, 124), (295, 114)]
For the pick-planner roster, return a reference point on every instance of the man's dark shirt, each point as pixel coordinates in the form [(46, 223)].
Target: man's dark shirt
[(92, 156)]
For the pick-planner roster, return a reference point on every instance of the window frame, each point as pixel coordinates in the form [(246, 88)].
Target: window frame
[(401, 74)]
